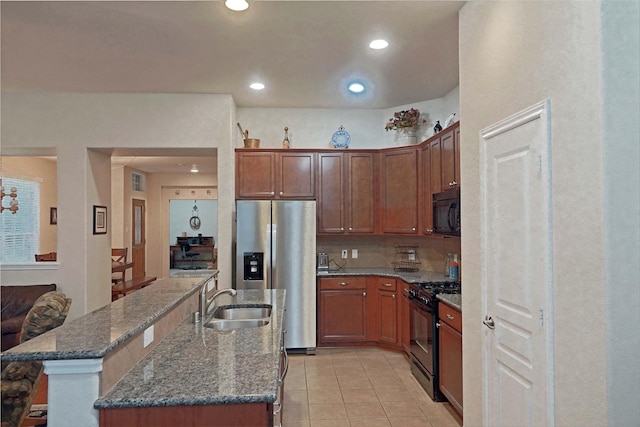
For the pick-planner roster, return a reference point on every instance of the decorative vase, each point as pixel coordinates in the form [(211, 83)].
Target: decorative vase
[(406, 136)]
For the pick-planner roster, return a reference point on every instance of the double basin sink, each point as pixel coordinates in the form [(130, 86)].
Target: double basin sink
[(229, 317)]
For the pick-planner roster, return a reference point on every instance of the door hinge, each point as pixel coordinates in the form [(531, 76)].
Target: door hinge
[(539, 164), (541, 316)]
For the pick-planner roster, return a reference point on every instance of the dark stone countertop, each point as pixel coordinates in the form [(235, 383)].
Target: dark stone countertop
[(196, 365), (407, 276), (454, 300)]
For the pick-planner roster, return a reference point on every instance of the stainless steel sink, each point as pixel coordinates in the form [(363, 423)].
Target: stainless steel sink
[(239, 317), (225, 325), (244, 312)]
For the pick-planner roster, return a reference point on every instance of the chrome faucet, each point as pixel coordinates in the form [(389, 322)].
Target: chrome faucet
[(206, 302)]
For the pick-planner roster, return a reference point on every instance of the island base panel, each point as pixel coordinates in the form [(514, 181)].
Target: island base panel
[(232, 415)]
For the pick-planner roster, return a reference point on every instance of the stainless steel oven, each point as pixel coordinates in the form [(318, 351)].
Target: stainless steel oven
[(424, 336)]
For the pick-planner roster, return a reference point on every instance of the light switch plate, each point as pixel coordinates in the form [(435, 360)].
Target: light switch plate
[(344, 254), (354, 253)]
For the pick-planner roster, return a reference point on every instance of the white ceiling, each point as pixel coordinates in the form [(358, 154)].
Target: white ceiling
[(304, 51)]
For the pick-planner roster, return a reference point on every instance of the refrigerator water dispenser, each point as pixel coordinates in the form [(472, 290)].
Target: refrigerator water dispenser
[(253, 266)]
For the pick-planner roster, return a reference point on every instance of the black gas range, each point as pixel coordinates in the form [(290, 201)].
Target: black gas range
[(424, 335)]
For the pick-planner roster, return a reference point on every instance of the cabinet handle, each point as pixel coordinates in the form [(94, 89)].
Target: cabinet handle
[(438, 325), (450, 317), (281, 193), (393, 296), (350, 228), (273, 193), (343, 283), (364, 294), (341, 228), (388, 285), (413, 229)]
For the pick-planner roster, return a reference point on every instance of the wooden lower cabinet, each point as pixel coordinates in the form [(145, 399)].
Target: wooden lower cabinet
[(405, 317), (361, 310), (342, 310), (248, 414), (450, 355), (388, 311)]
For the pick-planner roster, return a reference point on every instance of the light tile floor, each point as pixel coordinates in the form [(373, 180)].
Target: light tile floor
[(358, 387)]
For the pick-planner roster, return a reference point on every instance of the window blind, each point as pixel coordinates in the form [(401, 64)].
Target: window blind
[(20, 232)]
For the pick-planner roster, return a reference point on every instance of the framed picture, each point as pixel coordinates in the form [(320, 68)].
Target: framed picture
[(99, 219), (53, 216)]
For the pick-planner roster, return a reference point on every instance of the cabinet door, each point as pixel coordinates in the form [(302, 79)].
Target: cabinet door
[(330, 202), (255, 175), (342, 316), (387, 315), (435, 166), (456, 157), (405, 318), (450, 359), (447, 160), (296, 175), (360, 196), (399, 191), (427, 191)]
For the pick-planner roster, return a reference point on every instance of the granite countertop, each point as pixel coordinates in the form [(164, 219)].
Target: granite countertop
[(407, 276), (196, 365), (454, 300), (96, 334)]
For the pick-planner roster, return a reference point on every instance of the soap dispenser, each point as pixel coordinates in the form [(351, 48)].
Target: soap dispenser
[(454, 269)]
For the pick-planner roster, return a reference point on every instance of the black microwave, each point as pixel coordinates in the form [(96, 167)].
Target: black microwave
[(446, 213)]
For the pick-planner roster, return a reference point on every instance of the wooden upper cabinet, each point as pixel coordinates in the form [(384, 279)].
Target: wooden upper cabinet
[(295, 172), (262, 174), (330, 202), (360, 199), (346, 192), (445, 173), (255, 174), (426, 190), (399, 191)]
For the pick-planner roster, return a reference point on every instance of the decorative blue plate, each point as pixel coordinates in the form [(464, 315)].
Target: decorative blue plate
[(341, 138)]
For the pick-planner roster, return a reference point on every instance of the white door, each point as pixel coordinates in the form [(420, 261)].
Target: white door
[(516, 264)]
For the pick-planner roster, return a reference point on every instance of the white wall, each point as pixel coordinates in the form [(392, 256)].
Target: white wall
[(528, 52), (180, 212), (313, 128)]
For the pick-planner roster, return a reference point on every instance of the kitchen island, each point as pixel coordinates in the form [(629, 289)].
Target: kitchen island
[(147, 342), (203, 376)]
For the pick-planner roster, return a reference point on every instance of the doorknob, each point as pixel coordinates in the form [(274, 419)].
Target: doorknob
[(489, 323)]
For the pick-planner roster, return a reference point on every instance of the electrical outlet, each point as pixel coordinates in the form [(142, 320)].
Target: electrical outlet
[(354, 253), (148, 336), (344, 254)]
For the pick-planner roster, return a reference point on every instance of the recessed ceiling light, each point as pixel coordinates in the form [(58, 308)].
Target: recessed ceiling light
[(237, 5), (194, 168), (378, 44), (256, 86), (356, 87)]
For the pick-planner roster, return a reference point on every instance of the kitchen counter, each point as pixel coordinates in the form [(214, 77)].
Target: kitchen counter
[(407, 276), (104, 330), (454, 300), (195, 365)]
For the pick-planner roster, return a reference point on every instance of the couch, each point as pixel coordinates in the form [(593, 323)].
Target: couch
[(20, 379), (16, 301)]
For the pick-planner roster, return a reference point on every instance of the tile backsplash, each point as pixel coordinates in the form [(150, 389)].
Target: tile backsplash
[(380, 251)]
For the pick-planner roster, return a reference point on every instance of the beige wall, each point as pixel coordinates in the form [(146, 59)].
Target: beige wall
[(43, 170), (513, 55), (85, 129)]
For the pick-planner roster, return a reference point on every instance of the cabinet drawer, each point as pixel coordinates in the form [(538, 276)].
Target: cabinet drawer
[(387, 284), (450, 316), (343, 283)]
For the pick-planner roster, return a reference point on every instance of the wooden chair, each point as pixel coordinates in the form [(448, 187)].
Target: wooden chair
[(51, 256), (118, 255)]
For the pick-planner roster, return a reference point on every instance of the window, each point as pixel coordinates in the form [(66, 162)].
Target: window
[(20, 232), (137, 182)]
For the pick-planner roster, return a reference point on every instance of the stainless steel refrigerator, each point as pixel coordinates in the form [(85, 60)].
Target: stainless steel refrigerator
[(275, 249)]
